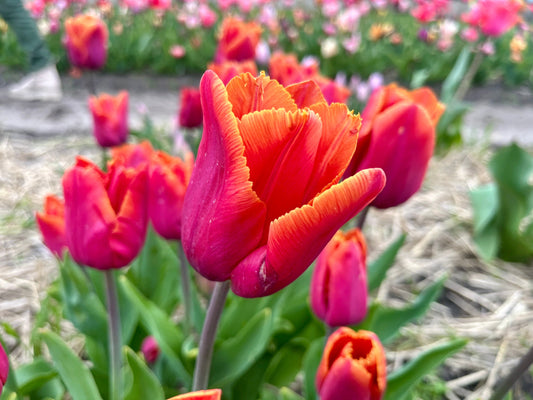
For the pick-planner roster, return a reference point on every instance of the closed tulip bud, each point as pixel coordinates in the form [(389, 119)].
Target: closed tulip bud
[(4, 368), (110, 118), (190, 115), (339, 283), (238, 40), (264, 197), (397, 135), (105, 213), (51, 223), (353, 366), (169, 177), (86, 41), (211, 394), (150, 349)]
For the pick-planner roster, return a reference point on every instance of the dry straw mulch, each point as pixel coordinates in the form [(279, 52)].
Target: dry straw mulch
[(489, 303)]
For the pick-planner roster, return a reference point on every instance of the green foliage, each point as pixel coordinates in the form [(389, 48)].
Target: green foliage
[(377, 269), (503, 226)]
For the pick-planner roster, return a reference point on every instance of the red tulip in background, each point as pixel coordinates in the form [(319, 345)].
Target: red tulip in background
[(4, 368), (238, 40), (211, 394), (169, 177), (353, 366), (110, 118), (51, 223), (397, 135), (132, 155), (228, 70), (105, 213), (86, 41), (494, 17), (150, 349), (264, 197), (339, 285), (190, 115)]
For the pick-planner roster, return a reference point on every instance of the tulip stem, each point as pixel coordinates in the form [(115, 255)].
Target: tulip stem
[(468, 77), (185, 286), (91, 83), (513, 376), (362, 217), (115, 366), (207, 340)]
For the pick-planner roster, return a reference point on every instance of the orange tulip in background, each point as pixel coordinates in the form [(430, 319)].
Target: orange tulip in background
[(51, 223), (110, 118), (339, 283), (227, 70), (238, 40), (105, 213), (264, 197), (397, 135), (211, 394), (190, 114), (132, 155), (353, 366), (86, 41), (4, 368)]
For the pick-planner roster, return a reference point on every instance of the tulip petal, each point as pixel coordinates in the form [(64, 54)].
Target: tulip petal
[(296, 238), (281, 174), (306, 93), (413, 143), (248, 94), (223, 218), (425, 97), (346, 380)]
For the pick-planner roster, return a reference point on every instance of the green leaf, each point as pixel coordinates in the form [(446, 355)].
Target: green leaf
[(401, 381), (286, 363), (287, 394), (74, 373), (386, 322), (235, 355), (33, 375), (249, 384), (377, 270), (143, 384), (485, 204), (310, 366), (160, 325), (456, 75), (53, 389)]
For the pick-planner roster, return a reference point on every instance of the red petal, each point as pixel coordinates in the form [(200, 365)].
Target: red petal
[(223, 218)]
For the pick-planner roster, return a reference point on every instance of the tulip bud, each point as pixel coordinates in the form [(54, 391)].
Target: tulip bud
[(86, 41), (4, 368), (353, 366), (51, 223), (110, 117), (211, 394), (190, 115), (339, 285), (150, 349), (238, 40)]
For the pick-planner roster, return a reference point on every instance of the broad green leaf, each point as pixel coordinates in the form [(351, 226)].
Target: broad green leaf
[(235, 355), (386, 322), (157, 323), (401, 381), (456, 75), (377, 270), (33, 375), (51, 390), (286, 363), (419, 78), (485, 203), (143, 384), (74, 373), (310, 366), (287, 394), (247, 387)]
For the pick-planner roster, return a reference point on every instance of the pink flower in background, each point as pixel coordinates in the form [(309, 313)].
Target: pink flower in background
[(470, 34), (494, 17), (207, 16), (135, 6), (160, 4), (351, 44), (190, 114), (36, 8), (177, 51), (150, 349), (429, 10), (110, 118)]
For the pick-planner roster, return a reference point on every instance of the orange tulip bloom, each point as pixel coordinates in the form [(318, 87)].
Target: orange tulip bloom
[(398, 135), (238, 40), (227, 70), (211, 394), (264, 197), (353, 366), (51, 223), (110, 118), (86, 41)]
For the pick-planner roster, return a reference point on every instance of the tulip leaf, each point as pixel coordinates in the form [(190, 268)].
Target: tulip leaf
[(235, 355), (249, 384), (74, 373), (50, 390), (33, 375), (142, 382), (485, 203), (167, 335), (377, 270), (456, 75), (386, 322), (287, 394), (401, 381), (286, 363), (311, 362)]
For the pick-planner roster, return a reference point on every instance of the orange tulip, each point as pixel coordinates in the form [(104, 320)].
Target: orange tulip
[(353, 366), (110, 118), (227, 70), (398, 135), (211, 394), (264, 197), (238, 40), (51, 223), (132, 155), (86, 41)]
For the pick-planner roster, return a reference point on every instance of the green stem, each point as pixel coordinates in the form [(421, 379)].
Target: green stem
[(185, 286), (104, 159), (115, 366), (207, 340), (513, 376), (362, 217), (469, 77)]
